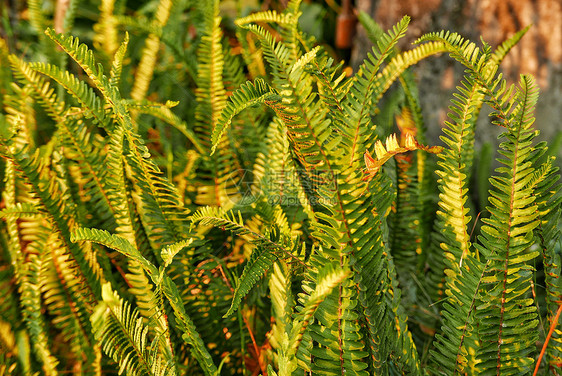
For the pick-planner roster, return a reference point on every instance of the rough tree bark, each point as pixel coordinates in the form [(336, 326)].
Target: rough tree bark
[(539, 52)]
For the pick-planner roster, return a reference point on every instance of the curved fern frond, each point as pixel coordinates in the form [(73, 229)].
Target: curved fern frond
[(506, 46), (114, 242), (258, 264), (269, 16), (124, 338), (360, 100), (393, 148), (227, 220), (249, 94), (305, 118), (168, 287), (80, 53), (78, 89), (328, 278)]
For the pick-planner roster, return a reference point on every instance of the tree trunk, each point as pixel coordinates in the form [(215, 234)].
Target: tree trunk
[(539, 52)]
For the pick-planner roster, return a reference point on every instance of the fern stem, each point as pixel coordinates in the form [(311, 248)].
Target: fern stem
[(256, 348), (544, 346)]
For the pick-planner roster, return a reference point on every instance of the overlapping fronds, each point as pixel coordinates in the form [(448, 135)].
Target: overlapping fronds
[(168, 288), (123, 336), (268, 248), (213, 220)]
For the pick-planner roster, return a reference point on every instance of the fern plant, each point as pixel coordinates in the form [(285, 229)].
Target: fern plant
[(272, 216)]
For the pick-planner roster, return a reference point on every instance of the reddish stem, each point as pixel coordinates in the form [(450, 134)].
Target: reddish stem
[(552, 326), (256, 347)]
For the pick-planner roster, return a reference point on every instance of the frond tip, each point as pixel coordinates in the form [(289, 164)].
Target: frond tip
[(392, 148)]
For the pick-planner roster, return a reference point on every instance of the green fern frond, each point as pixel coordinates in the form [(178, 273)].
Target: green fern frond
[(124, 338), (339, 348), (328, 278), (249, 94), (168, 287), (117, 64), (79, 90), (114, 242), (228, 220), (301, 113), (358, 104), (19, 210), (36, 16), (503, 49), (145, 69), (464, 271), (80, 53), (268, 16), (27, 273), (507, 316), (105, 37), (43, 92), (211, 93), (62, 292), (56, 203), (548, 202), (258, 265), (31, 300)]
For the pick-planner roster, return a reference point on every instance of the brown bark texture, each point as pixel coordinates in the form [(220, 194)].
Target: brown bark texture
[(539, 52)]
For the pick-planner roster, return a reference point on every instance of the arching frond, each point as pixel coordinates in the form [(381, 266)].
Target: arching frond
[(124, 337), (248, 95), (269, 16), (168, 288), (79, 90)]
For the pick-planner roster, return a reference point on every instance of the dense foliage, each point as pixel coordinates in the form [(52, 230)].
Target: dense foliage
[(182, 195)]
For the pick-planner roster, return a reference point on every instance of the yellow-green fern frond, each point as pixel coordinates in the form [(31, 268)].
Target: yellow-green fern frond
[(165, 283), (105, 37), (248, 95), (124, 337), (269, 16), (392, 148), (145, 69), (506, 314)]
